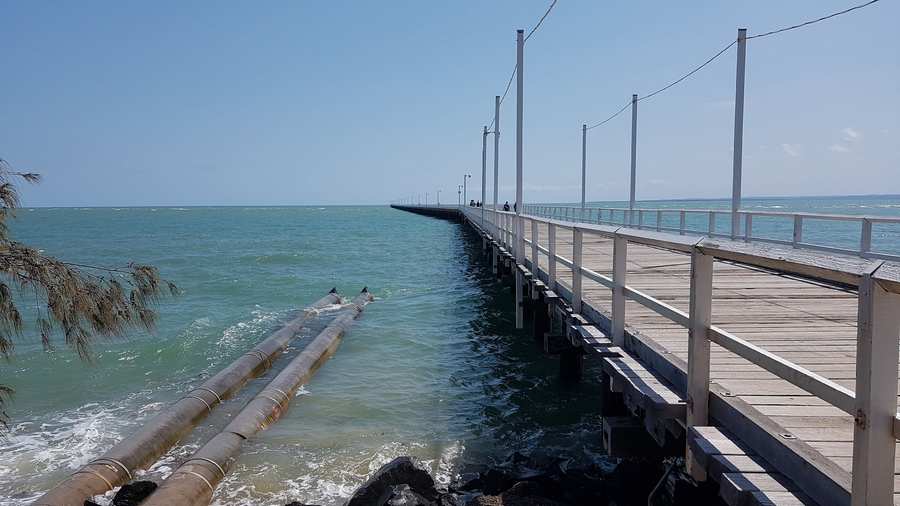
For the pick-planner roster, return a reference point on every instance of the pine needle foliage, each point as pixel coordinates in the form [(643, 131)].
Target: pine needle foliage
[(76, 302)]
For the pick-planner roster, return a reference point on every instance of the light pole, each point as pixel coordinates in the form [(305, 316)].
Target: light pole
[(484, 135), (519, 223), (426, 199), (465, 195), (439, 197), (459, 195)]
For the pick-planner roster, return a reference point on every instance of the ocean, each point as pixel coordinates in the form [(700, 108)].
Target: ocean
[(433, 368)]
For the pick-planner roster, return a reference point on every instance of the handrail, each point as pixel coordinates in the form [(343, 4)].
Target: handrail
[(795, 223), (874, 403)]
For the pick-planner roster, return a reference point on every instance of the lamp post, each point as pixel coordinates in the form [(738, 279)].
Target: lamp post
[(465, 195), (459, 195), (438, 197)]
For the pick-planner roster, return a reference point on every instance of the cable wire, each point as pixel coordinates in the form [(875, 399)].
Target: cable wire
[(689, 74), (806, 23), (506, 91), (516, 68), (611, 117), (538, 25)]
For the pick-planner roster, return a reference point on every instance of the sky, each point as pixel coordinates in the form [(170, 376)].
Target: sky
[(301, 102)]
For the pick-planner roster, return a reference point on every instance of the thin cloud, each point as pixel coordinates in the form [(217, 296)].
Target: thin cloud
[(791, 149), (851, 135), (838, 148)]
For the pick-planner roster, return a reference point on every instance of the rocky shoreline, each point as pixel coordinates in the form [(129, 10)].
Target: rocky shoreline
[(522, 480), (519, 480)]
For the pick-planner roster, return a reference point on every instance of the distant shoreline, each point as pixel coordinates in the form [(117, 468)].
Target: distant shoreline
[(682, 199)]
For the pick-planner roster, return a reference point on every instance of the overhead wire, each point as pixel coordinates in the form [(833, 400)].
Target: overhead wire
[(812, 21), (516, 67), (726, 48)]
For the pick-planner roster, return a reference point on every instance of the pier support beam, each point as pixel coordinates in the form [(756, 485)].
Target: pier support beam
[(571, 364)]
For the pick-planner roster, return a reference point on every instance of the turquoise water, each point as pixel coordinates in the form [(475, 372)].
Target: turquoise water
[(434, 367)]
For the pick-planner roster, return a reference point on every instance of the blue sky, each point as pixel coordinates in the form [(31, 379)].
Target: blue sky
[(180, 103)]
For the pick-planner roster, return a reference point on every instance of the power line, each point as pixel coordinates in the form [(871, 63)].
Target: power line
[(538, 25), (689, 74), (806, 23), (666, 87), (516, 68), (726, 48), (611, 117), (508, 84)]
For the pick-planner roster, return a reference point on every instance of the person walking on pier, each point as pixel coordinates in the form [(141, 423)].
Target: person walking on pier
[(506, 206)]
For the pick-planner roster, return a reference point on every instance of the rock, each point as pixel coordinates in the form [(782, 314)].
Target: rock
[(525, 489), (467, 482), (495, 481), (132, 494), (402, 495), (512, 500), (297, 503), (450, 500), (379, 488)]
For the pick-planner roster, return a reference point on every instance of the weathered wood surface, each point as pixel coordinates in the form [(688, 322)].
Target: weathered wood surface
[(810, 323)]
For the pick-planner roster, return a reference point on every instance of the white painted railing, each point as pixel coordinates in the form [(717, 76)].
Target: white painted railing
[(874, 403), (664, 220)]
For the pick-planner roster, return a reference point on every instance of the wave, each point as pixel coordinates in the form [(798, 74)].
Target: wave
[(40, 452)]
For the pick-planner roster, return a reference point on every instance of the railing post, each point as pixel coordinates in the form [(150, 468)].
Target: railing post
[(748, 227), (535, 263), (874, 444), (865, 238), (577, 247), (640, 223), (551, 262), (658, 221), (712, 223), (798, 230), (698, 350), (620, 252), (681, 222)]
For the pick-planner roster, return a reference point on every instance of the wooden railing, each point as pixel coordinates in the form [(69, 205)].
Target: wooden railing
[(664, 220), (874, 403)]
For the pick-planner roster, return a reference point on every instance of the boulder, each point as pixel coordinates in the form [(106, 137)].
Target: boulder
[(132, 494), (403, 495), (494, 481), (466, 482), (379, 488), (512, 500)]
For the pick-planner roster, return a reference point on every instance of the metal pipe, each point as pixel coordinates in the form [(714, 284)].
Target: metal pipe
[(196, 479), (143, 448), (738, 132), (583, 164), (633, 156), (519, 229), (496, 146), (484, 135)]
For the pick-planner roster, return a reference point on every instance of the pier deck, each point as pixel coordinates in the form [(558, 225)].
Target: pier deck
[(809, 323)]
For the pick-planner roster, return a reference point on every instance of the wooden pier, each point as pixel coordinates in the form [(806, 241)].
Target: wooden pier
[(772, 369)]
